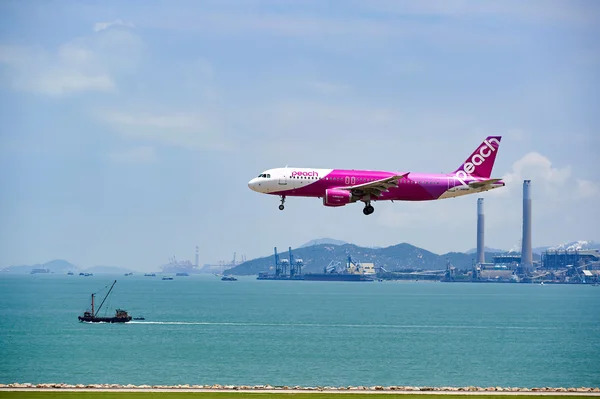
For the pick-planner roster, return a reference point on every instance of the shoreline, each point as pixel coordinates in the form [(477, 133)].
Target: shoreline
[(471, 390)]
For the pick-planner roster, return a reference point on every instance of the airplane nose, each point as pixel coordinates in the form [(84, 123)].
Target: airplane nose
[(252, 184)]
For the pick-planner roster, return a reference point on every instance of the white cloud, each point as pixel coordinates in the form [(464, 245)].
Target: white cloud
[(181, 129), (99, 26), (141, 154), (89, 63), (587, 188), (549, 181)]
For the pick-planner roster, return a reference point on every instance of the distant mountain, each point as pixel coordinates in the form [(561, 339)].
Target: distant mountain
[(60, 266), (487, 249), (320, 241), (397, 257), (108, 270), (55, 266)]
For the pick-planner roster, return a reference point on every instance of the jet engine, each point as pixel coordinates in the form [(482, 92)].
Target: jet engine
[(337, 197)]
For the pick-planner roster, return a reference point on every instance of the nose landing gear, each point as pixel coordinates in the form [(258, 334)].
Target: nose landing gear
[(281, 207)]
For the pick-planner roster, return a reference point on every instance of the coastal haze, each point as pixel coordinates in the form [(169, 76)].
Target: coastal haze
[(129, 133)]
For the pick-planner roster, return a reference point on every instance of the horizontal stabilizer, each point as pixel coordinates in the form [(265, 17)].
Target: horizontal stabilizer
[(483, 183)]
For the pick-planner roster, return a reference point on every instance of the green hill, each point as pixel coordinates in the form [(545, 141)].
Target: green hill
[(398, 257)]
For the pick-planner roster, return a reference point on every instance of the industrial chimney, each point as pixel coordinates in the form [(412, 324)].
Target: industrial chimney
[(526, 255), (480, 232)]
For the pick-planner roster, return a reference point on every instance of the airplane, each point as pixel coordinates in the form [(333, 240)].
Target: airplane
[(339, 187)]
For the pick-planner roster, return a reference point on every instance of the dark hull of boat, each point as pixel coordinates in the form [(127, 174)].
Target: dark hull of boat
[(91, 319), (336, 277)]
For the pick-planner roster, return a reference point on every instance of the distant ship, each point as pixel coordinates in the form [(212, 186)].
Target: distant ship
[(268, 276), (335, 277), (121, 315), (228, 278), (129, 274), (167, 278), (40, 270), (69, 273), (354, 271), (150, 275), (183, 274), (86, 274)]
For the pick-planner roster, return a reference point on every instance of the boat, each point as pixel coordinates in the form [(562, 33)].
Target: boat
[(354, 271), (139, 318), (42, 270), (336, 277), (267, 276), (182, 274), (228, 278), (167, 278), (69, 273), (129, 274), (120, 316), (150, 275)]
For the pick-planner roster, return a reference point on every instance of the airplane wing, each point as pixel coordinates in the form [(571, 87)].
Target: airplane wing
[(376, 187), (482, 183)]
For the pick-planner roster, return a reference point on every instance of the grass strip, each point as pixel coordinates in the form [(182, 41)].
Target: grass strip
[(243, 395)]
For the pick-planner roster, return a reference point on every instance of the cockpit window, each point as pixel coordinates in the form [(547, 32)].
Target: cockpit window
[(268, 176)]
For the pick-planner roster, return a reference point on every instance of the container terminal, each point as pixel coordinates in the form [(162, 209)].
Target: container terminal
[(291, 269)]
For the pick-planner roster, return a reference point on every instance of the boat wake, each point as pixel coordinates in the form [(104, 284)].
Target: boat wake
[(391, 326)]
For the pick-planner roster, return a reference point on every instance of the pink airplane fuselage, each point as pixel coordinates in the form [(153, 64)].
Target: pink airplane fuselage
[(414, 187), (339, 187)]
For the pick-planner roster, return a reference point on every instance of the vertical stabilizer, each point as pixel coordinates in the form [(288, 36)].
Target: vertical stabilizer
[(481, 161)]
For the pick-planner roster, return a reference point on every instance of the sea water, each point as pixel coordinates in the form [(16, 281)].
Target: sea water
[(201, 330)]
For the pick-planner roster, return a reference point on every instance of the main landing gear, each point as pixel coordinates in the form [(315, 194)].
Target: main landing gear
[(281, 207), (368, 208)]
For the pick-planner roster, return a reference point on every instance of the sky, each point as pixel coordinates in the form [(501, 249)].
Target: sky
[(129, 130)]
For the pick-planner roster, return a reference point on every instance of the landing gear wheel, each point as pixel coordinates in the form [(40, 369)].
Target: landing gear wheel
[(368, 210), (281, 207)]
